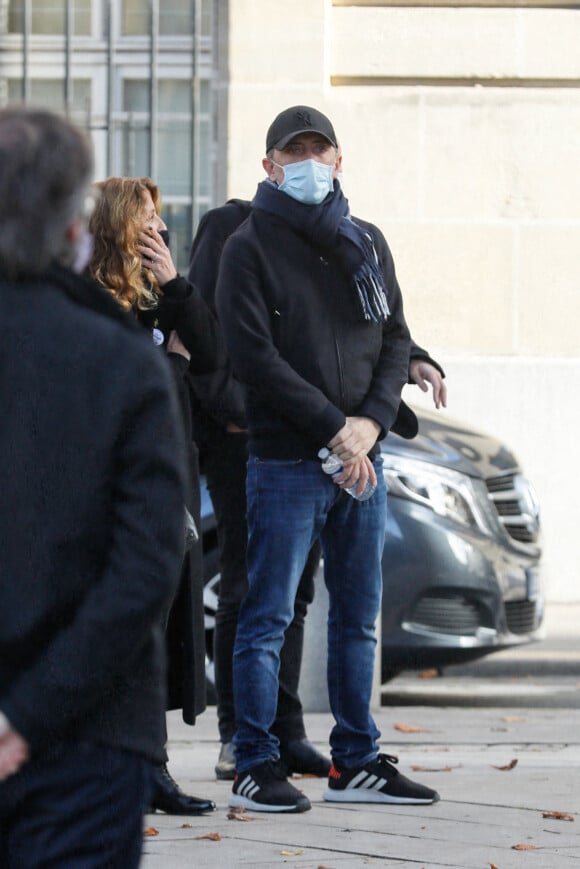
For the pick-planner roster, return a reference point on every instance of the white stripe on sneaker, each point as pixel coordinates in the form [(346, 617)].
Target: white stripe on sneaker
[(367, 780), (358, 780), (248, 787)]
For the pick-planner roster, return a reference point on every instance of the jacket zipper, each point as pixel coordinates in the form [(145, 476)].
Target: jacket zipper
[(340, 372), (336, 344)]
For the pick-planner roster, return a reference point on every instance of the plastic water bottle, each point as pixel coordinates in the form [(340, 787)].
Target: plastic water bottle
[(332, 465)]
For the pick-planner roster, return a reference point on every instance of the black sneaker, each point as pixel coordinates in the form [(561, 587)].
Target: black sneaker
[(375, 782), (264, 788)]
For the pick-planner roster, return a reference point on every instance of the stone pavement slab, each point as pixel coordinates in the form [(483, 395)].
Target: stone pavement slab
[(483, 813)]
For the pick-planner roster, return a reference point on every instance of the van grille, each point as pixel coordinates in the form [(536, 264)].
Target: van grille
[(517, 506)]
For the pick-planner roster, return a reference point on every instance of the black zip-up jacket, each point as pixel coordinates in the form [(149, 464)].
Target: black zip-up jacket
[(297, 342), (219, 395)]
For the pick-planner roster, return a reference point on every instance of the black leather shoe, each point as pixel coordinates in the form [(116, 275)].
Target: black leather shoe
[(169, 798), (300, 756)]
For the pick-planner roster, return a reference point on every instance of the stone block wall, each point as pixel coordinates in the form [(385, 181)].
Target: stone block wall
[(460, 130)]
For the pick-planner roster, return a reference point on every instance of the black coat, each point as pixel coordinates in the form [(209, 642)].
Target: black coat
[(182, 308), (297, 342), (219, 395), (91, 533)]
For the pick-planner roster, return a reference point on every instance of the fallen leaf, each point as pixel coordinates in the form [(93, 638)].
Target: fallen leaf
[(492, 866), (150, 831), (434, 769), (215, 837), (320, 866), (526, 847), (428, 674), (513, 763), (291, 853), (238, 813), (186, 826), (513, 718), (410, 728), (559, 816)]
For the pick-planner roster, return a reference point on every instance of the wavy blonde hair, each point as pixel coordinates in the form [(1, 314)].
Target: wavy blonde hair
[(115, 224)]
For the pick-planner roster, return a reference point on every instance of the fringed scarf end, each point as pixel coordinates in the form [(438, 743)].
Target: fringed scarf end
[(371, 294)]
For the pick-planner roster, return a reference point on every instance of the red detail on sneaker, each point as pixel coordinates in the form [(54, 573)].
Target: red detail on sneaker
[(334, 773)]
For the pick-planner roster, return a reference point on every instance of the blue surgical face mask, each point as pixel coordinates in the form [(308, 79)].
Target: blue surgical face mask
[(308, 181)]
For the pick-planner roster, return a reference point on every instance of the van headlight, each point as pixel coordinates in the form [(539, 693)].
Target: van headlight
[(457, 497)]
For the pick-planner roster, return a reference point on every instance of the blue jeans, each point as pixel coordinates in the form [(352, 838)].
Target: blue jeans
[(290, 504)]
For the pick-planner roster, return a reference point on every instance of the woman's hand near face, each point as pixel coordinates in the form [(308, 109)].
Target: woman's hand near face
[(157, 256)]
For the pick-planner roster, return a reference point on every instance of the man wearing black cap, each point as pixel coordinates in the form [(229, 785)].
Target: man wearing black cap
[(220, 432), (313, 320)]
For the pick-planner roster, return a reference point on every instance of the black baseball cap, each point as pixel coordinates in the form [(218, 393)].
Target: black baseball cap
[(295, 120)]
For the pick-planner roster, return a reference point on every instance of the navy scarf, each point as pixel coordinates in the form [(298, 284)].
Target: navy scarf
[(329, 226)]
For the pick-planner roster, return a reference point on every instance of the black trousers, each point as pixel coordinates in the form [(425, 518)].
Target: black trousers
[(224, 464), (81, 808)]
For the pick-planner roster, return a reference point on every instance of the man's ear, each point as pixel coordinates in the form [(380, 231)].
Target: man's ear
[(338, 164), (269, 168)]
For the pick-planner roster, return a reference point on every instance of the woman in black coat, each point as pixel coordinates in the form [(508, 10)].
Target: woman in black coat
[(131, 259)]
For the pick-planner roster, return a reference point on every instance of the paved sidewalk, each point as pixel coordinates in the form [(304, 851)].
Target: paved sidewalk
[(484, 810), (498, 768)]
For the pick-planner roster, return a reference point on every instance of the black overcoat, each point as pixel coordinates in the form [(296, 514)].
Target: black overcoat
[(91, 538), (181, 308)]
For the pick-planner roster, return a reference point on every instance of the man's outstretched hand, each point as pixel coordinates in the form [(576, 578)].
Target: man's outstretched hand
[(422, 373)]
